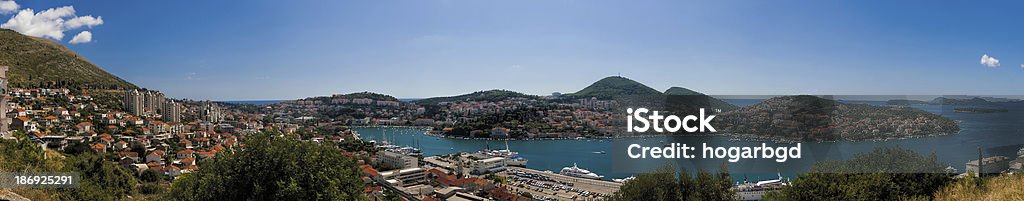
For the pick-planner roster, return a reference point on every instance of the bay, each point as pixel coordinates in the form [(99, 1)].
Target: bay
[(996, 133)]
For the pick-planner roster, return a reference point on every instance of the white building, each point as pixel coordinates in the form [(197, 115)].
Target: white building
[(171, 111), (134, 102), (487, 165), (211, 113), (405, 177), (154, 102), (396, 160)]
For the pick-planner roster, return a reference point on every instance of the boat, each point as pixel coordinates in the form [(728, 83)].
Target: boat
[(624, 179), (511, 158), (599, 152), (576, 171), (756, 190), (405, 150)]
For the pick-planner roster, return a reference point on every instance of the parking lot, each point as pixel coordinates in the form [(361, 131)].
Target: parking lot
[(552, 186)]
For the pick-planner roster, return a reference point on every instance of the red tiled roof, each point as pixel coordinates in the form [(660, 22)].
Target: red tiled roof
[(369, 189)]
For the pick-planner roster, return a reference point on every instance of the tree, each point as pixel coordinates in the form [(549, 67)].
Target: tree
[(101, 180), (151, 176), (664, 184), (273, 168), (76, 148)]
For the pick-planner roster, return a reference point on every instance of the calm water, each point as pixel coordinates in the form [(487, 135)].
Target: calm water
[(997, 133)]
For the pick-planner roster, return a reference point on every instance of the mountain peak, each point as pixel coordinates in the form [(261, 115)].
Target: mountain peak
[(612, 86)]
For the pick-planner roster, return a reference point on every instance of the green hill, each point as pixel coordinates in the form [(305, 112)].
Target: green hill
[(489, 95), (684, 96), (40, 62), (681, 91), (366, 94), (610, 87), (812, 118)]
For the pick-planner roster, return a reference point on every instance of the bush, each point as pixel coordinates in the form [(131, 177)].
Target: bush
[(664, 184), (883, 174), (152, 188), (151, 176)]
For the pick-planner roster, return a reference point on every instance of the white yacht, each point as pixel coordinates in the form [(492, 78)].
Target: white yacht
[(575, 171), (756, 191), (624, 180), (511, 158)]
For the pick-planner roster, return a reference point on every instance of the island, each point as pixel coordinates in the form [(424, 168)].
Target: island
[(811, 118)]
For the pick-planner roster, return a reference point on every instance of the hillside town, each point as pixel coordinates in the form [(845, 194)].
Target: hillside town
[(502, 118)]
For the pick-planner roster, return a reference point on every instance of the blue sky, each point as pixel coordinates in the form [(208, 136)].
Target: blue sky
[(223, 50)]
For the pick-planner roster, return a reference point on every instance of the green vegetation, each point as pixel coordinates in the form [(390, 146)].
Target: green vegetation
[(370, 95), (688, 101), (40, 62), (957, 101), (1005, 187), (273, 168), (611, 87), (883, 174), (668, 184), (489, 95), (100, 180), (679, 91)]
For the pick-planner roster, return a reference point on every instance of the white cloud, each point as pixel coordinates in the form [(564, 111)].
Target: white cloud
[(86, 21), (51, 23), (989, 61), (83, 37), (8, 7), (1022, 66)]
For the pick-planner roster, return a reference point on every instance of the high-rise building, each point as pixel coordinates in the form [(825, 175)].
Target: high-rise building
[(211, 113), (4, 122), (154, 102), (134, 102), (171, 111)]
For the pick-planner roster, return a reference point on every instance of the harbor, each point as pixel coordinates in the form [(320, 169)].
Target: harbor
[(597, 154)]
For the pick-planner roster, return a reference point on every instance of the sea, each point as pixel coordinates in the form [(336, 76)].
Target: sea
[(995, 133)]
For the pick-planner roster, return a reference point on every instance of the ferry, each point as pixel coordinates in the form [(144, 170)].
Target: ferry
[(575, 171), (756, 191)]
